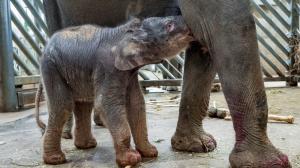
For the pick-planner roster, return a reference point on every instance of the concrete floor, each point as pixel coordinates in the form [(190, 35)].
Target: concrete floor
[(20, 140)]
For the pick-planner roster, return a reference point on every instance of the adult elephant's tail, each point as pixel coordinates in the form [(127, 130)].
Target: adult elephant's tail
[(37, 108)]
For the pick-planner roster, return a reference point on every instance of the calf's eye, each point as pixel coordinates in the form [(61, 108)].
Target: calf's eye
[(170, 27)]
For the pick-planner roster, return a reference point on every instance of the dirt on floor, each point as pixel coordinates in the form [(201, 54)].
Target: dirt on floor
[(20, 140)]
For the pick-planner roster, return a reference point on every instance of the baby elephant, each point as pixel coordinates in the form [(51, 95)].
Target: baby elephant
[(88, 67)]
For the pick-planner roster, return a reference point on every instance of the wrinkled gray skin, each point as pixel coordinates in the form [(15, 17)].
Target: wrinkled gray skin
[(88, 66), (227, 31)]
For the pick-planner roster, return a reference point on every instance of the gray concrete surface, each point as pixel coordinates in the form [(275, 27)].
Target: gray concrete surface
[(20, 140)]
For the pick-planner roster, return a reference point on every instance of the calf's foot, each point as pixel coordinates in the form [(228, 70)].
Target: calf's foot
[(54, 158), (85, 143), (67, 135), (262, 156), (128, 158), (201, 142), (147, 150)]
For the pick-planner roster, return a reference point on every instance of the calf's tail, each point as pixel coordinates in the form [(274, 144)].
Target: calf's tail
[(38, 98)]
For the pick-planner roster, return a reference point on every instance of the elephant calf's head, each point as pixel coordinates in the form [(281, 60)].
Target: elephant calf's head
[(151, 41)]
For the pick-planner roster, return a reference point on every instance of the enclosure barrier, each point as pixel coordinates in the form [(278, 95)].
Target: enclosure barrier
[(24, 34), (277, 25), (8, 99)]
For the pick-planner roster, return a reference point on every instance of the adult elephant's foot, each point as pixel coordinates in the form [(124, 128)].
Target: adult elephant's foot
[(147, 150), (189, 142), (85, 143), (128, 158), (54, 158), (262, 156)]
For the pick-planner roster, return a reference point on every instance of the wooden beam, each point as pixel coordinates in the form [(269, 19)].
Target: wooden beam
[(27, 80)]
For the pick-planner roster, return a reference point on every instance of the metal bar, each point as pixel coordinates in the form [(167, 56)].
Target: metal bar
[(39, 4), (276, 14), (165, 70), (26, 35), (25, 80), (266, 73), (29, 21), (274, 79), (271, 65), (37, 16), (139, 76), (25, 51), (179, 60), (22, 64), (270, 49), (274, 39), (282, 7), (143, 75), (272, 24), (173, 67), (8, 98), (172, 82), (178, 82), (16, 72), (298, 8)]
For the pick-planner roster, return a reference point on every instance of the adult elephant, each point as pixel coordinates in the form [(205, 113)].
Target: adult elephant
[(227, 46)]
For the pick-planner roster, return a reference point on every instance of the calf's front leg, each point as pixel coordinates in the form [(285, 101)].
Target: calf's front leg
[(113, 101), (136, 115)]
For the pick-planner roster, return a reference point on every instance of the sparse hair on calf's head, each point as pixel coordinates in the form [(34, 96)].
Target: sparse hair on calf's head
[(152, 40)]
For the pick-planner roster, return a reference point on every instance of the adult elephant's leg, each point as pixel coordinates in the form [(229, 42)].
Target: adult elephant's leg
[(238, 65), (199, 73), (136, 115), (52, 15), (83, 134)]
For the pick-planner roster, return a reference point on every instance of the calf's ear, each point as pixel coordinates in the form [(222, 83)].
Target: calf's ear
[(129, 57), (134, 24)]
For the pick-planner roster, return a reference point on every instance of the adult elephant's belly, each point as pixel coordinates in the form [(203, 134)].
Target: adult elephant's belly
[(101, 12), (112, 12)]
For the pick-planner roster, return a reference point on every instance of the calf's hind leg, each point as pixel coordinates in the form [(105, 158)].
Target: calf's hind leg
[(60, 105), (97, 118), (67, 130), (83, 134)]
